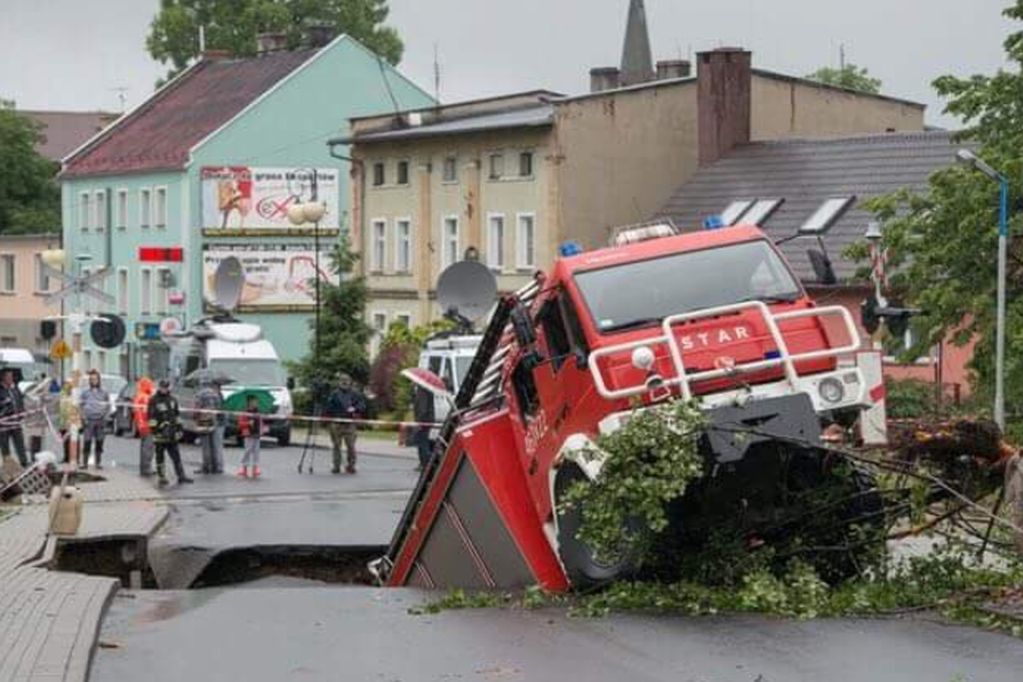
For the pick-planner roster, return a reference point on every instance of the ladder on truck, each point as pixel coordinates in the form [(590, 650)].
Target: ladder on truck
[(481, 385)]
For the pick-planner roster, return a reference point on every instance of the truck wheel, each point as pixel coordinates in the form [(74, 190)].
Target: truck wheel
[(582, 566)]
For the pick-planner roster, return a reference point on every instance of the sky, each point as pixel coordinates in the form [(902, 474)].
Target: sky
[(87, 55)]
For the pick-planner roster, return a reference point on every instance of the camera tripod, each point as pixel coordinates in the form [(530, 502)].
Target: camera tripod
[(309, 449)]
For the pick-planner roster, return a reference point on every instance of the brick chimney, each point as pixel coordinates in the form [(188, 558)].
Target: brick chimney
[(673, 68), (604, 78), (724, 78), (273, 41)]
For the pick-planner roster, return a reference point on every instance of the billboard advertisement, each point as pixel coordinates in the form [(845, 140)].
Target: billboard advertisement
[(278, 277), (243, 198)]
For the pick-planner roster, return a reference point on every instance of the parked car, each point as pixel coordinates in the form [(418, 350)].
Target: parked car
[(124, 423)]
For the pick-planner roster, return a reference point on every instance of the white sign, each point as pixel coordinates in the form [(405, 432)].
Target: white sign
[(277, 276), (244, 198)]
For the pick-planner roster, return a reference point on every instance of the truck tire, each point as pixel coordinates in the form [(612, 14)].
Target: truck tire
[(583, 567)]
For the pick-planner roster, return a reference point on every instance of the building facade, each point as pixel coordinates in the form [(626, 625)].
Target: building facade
[(23, 289), (512, 178), (210, 164)]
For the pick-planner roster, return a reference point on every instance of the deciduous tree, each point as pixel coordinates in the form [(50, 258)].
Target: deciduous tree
[(849, 76), (29, 198)]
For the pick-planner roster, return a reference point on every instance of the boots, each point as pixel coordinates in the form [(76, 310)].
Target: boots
[(161, 475), (243, 472), (256, 473)]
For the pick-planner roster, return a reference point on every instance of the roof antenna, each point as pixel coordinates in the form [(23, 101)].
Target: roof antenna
[(121, 97), (436, 75)]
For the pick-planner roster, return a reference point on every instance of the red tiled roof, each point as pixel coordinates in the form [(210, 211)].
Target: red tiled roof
[(65, 131), (159, 134)]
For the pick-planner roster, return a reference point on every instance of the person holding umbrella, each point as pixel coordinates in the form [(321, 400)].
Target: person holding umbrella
[(12, 413)]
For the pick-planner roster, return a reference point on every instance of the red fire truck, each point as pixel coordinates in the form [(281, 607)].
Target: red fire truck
[(716, 316)]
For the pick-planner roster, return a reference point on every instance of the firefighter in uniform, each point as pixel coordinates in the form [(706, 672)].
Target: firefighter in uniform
[(165, 425)]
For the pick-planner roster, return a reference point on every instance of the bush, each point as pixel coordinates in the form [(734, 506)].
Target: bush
[(910, 398)]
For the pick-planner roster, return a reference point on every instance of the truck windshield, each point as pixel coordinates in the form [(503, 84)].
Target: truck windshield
[(645, 292), (250, 372)]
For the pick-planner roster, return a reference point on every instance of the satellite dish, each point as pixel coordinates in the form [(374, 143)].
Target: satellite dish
[(466, 289), (228, 281)]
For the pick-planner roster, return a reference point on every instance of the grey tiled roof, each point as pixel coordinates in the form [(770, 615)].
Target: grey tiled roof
[(807, 172), (542, 115)]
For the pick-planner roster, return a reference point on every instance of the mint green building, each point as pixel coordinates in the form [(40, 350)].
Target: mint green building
[(210, 164)]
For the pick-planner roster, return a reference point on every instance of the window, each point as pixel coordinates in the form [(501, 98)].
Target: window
[(160, 207), (525, 387), (450, 169), (895, 349), (101, 361), (404, 319), (163, 279), (87, 304), (84, 211), (553, 324), (7, 273), (526, 165), (122, 363), (87, 359), (146, 301), (761, 211), (495, 242), (42, 280), (379, 324), (122, 291), (379, 177), (402, 172), (826, 215), (449, 242), (122, 209), (101, 210), (378, 251), (525, 241), (734, 211), (145, 208), (496, 166), (403, 247)]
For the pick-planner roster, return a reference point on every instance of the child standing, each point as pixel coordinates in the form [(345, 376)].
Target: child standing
[(251, 427)]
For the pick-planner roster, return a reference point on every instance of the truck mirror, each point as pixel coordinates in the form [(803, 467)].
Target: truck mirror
[(582, 360), (822, 267), (525, 332)]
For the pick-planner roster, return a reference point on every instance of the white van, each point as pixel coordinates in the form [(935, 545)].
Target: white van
[(449, 358), (238, 351), (22, 360)]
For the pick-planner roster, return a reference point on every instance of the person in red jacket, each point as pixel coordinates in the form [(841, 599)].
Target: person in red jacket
[(143, 393), (251, 427)]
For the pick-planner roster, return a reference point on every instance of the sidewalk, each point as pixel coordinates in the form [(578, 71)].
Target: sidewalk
[(49, 620)]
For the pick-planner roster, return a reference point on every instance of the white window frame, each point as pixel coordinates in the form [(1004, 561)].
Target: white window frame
[(101, 361), (373, 174), (445, 180), (12, 268), (532, 164), (408, 173), (123, 291), (377, 259), (162, 304), (145, 301), (521, 260), (495, 247), (87, 359), (379, 331), (160, 207), (907, 342), (448, 259), (85, 214), (403, 246), (491, 175), (100, 207), (121, 215), (403, 316), (145, 208), (41, 281)]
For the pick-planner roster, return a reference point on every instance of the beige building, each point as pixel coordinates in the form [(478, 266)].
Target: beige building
[(23, 285), (513, 177)]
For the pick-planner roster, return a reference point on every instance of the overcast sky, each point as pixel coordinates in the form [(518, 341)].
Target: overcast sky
[(75, 54)]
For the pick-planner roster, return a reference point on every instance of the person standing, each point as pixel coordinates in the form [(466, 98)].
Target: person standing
[(95, 404), (207, 404), (346, 403), (12, 415), (165, 424), (69, 421), (251, 427), (423, 413), (140, 413), (220, 425)]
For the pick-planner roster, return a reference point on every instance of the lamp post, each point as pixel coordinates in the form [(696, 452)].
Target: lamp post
[(312, 212), (968, 158)]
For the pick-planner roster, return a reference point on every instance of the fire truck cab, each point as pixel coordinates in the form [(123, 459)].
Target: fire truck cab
[(715, 316)]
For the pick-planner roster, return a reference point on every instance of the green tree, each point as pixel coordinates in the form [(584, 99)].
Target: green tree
[(943, 243), (849, 76), (29, 198), (232, 25), (344, 333)]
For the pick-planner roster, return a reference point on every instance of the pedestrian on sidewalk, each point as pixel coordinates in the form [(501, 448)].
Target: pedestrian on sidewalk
[(348, 403), (95, 404), (423, 413), (140, 409), (220, 425), (209, 402), (12, 415), (165, 424), (69, 422), (251, 426)]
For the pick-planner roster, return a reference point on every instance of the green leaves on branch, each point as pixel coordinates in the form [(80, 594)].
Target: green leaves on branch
[(29, 197), (649, 462), (850, 76)]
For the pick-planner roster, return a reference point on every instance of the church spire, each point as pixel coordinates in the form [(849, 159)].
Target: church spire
[(637, 59)]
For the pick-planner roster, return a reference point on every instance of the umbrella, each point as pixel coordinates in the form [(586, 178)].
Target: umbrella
[(207, 376), (237, 402), (427, 380)]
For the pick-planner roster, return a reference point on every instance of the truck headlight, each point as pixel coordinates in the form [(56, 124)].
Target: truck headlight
[(643, 358), (831, 390)]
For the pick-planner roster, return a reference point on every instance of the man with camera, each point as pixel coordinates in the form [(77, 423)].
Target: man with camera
[(345, 402)]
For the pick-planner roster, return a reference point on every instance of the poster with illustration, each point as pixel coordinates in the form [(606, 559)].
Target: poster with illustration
[(277, 276), (246, 198)]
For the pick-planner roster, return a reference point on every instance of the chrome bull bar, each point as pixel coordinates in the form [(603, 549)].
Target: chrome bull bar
[(684, 379)]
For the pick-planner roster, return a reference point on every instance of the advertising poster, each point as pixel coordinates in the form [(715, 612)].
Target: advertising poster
[(278, 277), (242, 198)]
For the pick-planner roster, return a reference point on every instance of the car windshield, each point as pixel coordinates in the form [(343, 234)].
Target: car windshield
[(250, 372), (645, 292), (462, 363)]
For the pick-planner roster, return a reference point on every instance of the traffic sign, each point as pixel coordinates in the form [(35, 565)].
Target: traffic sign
[(78, 286), (60, 350), (108, 331)]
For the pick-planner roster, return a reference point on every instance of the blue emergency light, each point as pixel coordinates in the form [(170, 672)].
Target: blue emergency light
[(713, 222), (569, 249)]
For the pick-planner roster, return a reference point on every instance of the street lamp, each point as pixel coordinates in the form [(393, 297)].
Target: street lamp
[(301, 214), (968, 158)]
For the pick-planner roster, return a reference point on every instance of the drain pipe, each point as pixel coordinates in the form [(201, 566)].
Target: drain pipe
[(362, 183)]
